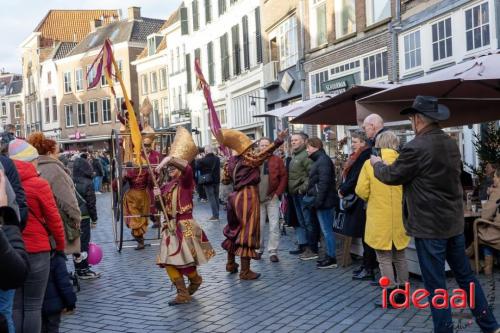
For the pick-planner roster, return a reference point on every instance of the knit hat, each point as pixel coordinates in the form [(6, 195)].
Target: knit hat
[(22, 151)]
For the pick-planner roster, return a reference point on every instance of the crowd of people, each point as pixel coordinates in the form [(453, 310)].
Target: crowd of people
[(384, 193), (46, 211)]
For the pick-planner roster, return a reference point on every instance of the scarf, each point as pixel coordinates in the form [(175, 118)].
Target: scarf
[(352, 159)]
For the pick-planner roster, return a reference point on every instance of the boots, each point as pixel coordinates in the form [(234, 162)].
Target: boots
[(182, 296), (194, 283), (231, 266), (246, 273), (140, 243), (488, 265)]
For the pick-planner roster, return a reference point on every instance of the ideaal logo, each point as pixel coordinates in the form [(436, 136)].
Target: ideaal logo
[(441, 300)]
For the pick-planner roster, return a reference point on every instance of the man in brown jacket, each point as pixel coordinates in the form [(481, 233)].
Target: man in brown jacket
[(273, 182)]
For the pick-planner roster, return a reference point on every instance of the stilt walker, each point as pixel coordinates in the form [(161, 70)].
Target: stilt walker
[(184, 245)]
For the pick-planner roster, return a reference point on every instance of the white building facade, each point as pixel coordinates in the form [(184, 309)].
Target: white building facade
[(225, 36)]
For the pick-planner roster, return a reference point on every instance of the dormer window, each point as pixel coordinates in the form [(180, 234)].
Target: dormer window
[(153, 43)]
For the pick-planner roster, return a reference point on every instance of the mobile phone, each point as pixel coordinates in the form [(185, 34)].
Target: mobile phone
[(376, 151)]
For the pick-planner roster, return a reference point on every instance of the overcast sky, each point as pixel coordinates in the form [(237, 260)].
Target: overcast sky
[(18, 18)]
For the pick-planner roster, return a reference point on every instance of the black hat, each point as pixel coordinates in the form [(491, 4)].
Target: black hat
[(429, 107)]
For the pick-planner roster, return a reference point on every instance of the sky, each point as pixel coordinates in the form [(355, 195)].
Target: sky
[(18, 18)]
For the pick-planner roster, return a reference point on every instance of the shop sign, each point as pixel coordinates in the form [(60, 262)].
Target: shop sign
[(77, 136), (337, 86)]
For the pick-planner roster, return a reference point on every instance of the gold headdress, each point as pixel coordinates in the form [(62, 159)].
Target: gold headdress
[(235, 140), (183, 146)]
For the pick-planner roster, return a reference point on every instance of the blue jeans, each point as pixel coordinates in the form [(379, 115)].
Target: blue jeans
[(300, 230), (304, 215), (487, 251), (212, 192), (6, 304), (326, 218), (97, 183), (432, 254)]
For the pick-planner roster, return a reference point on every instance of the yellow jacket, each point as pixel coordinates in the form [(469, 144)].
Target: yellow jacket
[(384, 212)]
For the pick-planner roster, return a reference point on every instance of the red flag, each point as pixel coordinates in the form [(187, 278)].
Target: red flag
[(213, 118)]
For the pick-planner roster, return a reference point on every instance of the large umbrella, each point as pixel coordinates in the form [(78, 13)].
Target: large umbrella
[(471, 90), (340, 109), (295, 109)]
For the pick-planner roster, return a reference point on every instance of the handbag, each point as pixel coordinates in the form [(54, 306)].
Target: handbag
[(206, 178), (347, 202), (338, 224)]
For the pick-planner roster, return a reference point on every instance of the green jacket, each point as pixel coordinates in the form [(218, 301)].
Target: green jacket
[(298, 172)]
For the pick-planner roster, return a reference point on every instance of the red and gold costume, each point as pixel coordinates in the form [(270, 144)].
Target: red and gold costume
[(184, 244), (154, 158), (242, 231)]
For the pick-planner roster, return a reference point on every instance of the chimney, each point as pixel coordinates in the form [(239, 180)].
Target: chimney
[(134, 13), (94, 24)]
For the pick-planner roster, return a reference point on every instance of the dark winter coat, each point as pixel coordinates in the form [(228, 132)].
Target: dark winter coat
[(210, 164), (59, 294), (355, 217), (14, 265), (82, 168), (322, 181), (98, 168), (429, 169), (15, 182), (86, 197)]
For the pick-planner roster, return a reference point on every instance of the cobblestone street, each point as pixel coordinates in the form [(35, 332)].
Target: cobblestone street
[(290, 296)]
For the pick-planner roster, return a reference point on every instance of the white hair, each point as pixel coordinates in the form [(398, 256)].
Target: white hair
[(375, 120)]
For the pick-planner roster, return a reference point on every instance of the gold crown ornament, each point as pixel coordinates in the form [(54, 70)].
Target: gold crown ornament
[(236, 140), (183, 146), (146, 107)]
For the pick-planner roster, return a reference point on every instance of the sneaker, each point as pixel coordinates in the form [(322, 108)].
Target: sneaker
[(274, 258), (300, 250), (308, 255), (88, 275), (98, 192), (327, 263), (213, 219)]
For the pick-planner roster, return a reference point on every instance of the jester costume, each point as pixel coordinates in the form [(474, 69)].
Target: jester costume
[(184, 244), (242, 231)]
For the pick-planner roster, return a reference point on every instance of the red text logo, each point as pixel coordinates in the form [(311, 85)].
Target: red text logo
[(419, 298)]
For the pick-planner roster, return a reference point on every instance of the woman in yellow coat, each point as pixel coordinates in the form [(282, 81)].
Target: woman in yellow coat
[(384, 216)]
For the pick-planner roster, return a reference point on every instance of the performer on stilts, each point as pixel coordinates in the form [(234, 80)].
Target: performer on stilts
[(184, 245), (242, 231)]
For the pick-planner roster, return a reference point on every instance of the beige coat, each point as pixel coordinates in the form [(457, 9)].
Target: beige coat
[(489, 234), (63, 188)]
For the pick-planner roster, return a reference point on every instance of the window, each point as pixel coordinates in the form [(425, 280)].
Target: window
[(79, 79), (47, 110), (196, 14), (412, 50), (67, 82), (318, 23), (119, 102), (224, 52), (375, 66), (188, 73), (4, 109), (54, 108), (156, 114), (90, 76), (316, 81), (222, 7), (286, 35), (172, 68), (441, 40), (49, 77), (208, 11), (377, 10), (17, 109), (345, 67), (154, 82), (151, 46), (68, 111), (106, 110), (258, 36), (178, 52), (165, 112), (246, 43), (144, 84), (477, 26), (197, 55), (120, 68), (345, 17), (235, 37), (184, 21), (94, 116), (163, 78), (211, 64), (80, 110)]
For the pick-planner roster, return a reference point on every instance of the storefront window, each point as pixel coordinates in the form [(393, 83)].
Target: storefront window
[(345, 17)]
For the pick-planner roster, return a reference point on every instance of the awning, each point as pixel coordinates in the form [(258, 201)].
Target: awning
[(339, 109), (295, 109), (87, 139)]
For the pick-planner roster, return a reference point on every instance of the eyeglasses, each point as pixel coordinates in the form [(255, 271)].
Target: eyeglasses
[(147, 145)]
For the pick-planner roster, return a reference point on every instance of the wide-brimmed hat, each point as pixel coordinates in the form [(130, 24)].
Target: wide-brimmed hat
[(429, 107)]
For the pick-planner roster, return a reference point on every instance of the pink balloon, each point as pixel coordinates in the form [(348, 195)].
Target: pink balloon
[(95, 254)]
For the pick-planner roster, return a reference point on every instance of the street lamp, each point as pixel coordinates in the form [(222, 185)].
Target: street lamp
[(253, 98)]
